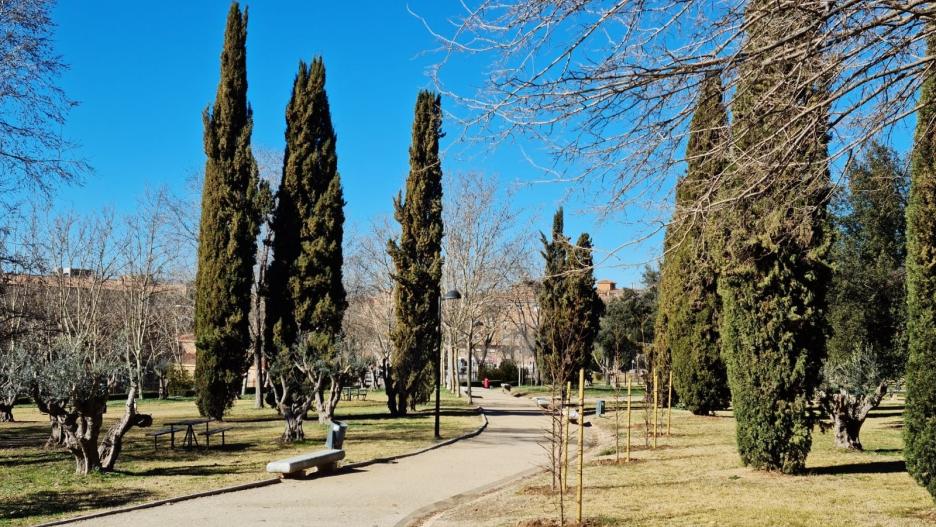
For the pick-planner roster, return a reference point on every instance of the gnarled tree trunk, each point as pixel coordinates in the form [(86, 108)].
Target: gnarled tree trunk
[(326, 409), (80, 432), (848, 413), (294, 414), (77, 428), (6, 413), (293, 409), (113, 440)]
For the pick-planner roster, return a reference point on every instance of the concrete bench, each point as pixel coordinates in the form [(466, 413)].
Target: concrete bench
[(161, 432), (323, 460), (293, 467), (220, 430)]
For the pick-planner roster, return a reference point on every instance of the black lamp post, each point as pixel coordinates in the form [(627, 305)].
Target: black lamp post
[(451, 295)]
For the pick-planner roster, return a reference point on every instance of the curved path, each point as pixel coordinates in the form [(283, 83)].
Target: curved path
[(376, 495)]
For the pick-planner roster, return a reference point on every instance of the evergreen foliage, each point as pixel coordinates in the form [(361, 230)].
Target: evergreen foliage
[(686, 336), (570, 309), (773, 243), (417, 258), (627, 322), (584, 305), (920, 416), (230, 223), (306, 297), (867, 300), (553, 331)]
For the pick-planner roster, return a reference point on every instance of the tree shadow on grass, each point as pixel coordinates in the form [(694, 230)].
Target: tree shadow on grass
[(51, 502), (874, 467), (45, 457), (875, 415), (190, 470), (24, 436)]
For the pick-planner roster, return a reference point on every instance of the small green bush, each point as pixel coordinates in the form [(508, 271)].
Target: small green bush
[(180, 382)]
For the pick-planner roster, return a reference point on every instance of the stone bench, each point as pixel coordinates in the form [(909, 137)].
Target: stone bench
[(294, 467), (323, 460)]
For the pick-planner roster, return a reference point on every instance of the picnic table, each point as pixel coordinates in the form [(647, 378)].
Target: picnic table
[(356, 392), (189, 425)]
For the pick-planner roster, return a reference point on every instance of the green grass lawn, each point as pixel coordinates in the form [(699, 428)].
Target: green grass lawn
[(39, 485), (695, 478)]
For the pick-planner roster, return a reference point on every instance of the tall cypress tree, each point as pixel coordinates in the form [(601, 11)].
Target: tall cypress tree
[(686, 338), (306, 295), (920, 419), (552, 334), (230, 223), (584, 305), (417, 258), (776, 238)]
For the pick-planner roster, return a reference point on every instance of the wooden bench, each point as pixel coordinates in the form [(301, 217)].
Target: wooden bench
[(323, 460), (161, 432), (220, 430)]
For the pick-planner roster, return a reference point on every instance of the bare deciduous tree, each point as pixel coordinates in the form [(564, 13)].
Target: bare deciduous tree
[(370, 317), (483, 248), (33, 107), (619, 79), (147, 257), (82, 354)]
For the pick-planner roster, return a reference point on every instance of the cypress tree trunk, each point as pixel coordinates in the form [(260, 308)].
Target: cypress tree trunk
[(230, 221), (417, 258), (920, 417), (686, 329), (776, 238)]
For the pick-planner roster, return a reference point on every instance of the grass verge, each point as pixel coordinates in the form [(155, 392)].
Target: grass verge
[(695, 478), (39, 485)]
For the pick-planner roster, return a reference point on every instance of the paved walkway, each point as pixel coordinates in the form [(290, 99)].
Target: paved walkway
[(376, 495)]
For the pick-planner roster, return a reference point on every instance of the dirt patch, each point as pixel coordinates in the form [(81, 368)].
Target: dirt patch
[(928, 516), (540, 522), (622, 461), (540, 490)]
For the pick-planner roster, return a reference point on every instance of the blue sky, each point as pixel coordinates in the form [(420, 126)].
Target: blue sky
[(143, 73)]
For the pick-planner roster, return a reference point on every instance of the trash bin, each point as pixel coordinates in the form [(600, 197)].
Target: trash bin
[(334, 438), (599, 407)]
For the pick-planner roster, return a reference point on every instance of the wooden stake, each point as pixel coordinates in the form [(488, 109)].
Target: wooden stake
[(581, 445), (628, 418), (617, 420), (656, 406), (567, 423), (669, 406)]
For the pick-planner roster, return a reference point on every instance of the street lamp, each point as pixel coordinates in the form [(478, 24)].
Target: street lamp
[(451, 295)]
